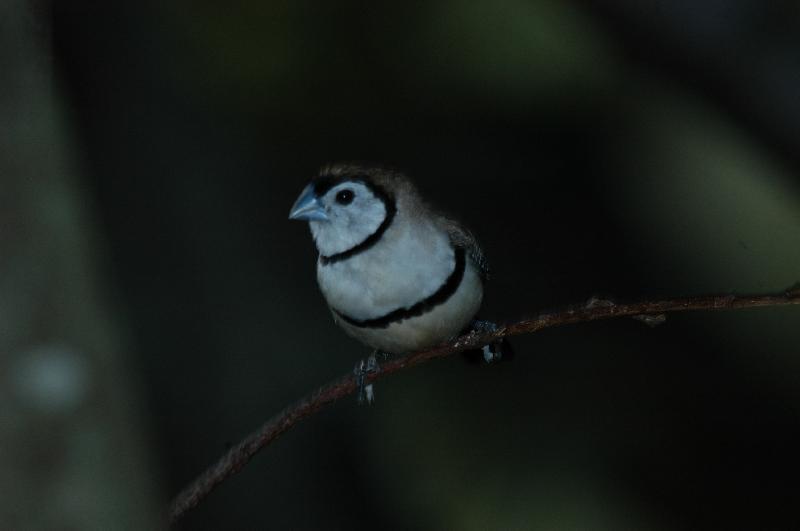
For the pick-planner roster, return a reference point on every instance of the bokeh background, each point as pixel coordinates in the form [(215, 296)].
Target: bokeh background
[(156, 305)]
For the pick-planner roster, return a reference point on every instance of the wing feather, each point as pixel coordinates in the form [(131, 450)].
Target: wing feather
[(462, 237)]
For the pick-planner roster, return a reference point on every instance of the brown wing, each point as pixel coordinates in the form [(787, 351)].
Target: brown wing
[(462, 237)]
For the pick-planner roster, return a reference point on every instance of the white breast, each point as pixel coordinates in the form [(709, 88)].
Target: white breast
[(410, 263)]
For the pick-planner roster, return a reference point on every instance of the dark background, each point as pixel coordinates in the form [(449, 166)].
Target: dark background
[(623, 149)]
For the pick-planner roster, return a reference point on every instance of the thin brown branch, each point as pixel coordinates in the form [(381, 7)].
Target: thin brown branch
[(238, 456)]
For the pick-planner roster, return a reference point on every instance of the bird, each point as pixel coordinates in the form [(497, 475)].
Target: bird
[(397, 275)]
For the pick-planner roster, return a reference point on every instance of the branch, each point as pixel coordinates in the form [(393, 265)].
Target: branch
[(649, 312)]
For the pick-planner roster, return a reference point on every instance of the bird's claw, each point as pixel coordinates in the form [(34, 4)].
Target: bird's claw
[(492, 352), (365, 393)]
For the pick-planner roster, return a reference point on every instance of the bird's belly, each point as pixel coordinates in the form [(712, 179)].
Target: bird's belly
[(438, 324)]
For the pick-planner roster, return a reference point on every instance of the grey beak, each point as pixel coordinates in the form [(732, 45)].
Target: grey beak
[(307, 207)]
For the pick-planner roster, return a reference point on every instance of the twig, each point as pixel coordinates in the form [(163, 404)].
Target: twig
[(238, 456)]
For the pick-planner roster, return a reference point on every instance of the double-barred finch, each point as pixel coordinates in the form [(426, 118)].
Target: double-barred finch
[(397, 275)]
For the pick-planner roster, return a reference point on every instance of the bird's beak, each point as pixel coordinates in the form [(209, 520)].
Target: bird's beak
[(307, 207)]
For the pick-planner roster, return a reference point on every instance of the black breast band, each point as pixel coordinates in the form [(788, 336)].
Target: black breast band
[(424, 306)]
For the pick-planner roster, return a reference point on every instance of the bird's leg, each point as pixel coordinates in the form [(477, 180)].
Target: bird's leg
[(366, 393), (493, 352)]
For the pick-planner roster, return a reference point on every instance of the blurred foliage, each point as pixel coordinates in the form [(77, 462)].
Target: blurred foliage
[(700, 188), (280, 57), (72, 448)]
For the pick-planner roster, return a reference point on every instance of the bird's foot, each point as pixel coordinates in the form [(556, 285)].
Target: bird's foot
[(496, 350), (365, 393), (492, 353), (598, 302)]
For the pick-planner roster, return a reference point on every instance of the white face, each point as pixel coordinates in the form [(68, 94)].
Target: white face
[(354, 213)]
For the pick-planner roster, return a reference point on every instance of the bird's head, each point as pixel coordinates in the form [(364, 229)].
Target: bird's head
[(346, 206)]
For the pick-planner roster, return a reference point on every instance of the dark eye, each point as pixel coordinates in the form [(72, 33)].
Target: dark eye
[(345, 197)]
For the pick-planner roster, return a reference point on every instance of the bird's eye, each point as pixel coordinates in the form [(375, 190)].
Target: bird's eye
[(345, 197)]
